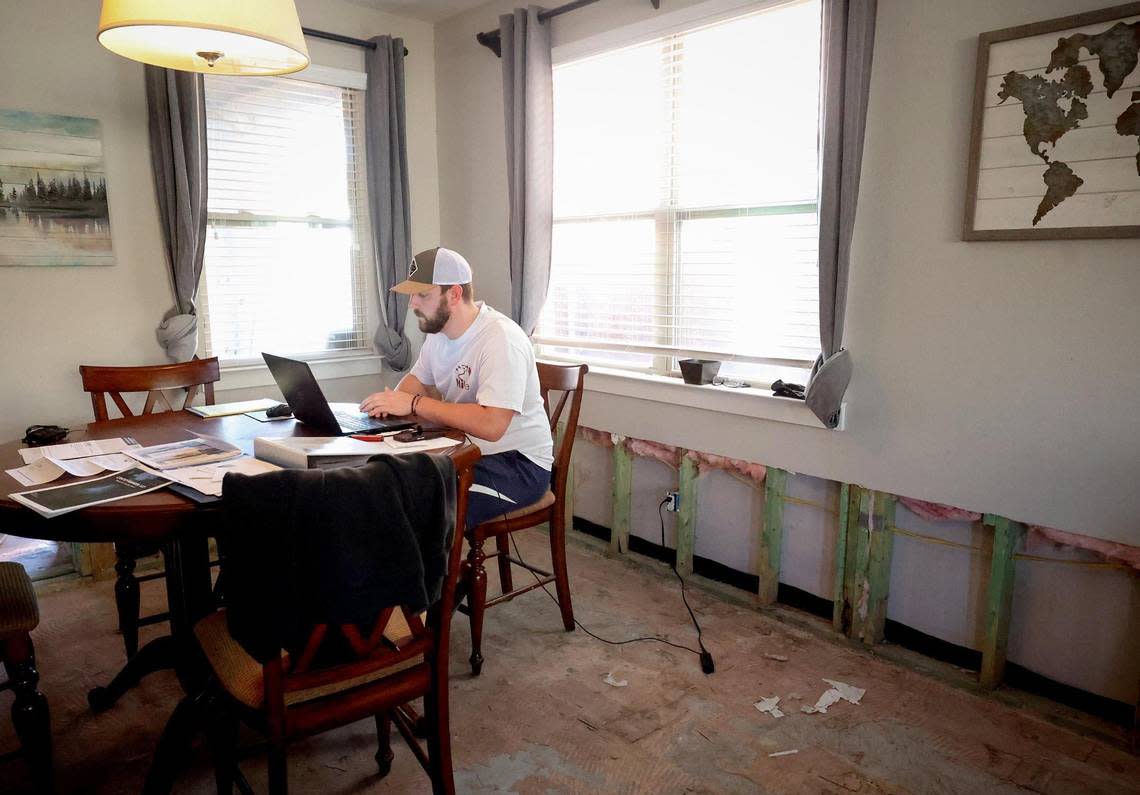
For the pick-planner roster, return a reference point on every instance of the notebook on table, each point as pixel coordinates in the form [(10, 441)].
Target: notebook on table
[(309, 405)]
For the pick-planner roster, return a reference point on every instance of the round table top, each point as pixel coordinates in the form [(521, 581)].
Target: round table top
[(148, 517)]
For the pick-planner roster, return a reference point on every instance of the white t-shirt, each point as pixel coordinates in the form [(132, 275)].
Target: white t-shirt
[(492, 364)]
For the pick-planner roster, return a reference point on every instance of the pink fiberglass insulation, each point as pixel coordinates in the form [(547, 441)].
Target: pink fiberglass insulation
[(1110, 550), (754, 472), (666, 454), (600, 438), (934, 512)]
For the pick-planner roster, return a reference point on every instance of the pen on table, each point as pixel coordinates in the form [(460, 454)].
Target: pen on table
[(367, 437)]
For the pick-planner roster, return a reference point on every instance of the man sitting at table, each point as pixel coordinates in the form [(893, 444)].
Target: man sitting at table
[(475, 372)]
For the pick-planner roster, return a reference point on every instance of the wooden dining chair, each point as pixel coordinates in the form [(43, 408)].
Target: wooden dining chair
[(19, 615), (569, 380), (403, 656), (155, 380)]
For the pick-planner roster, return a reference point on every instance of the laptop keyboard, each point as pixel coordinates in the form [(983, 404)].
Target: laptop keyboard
[(353, 423)]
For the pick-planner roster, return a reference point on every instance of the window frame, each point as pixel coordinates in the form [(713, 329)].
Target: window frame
[(668, 219), (251, 371)]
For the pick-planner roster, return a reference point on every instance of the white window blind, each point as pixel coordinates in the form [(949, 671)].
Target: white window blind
[(685, 184), (285, 259)]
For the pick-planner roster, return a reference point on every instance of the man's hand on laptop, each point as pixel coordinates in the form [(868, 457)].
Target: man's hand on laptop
[(387, 403)]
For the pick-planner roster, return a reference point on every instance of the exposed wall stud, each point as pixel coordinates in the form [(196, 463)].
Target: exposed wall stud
[(882, 538), (999, 598), (772, 535), (687, 516), (837, 619), (866, 564), (623, 496)]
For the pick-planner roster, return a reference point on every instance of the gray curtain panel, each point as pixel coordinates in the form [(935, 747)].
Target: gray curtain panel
[(385, 128), (847, 42), (528, 103), (176, 115)]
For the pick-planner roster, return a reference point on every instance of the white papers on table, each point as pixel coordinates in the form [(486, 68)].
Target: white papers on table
[(65, 452), (42, 471), (207, 478), (188, 453), (45, 470), (113, 462)]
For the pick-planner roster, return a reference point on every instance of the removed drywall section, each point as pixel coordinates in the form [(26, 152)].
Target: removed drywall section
[(807, 561), (1077, 624), (729, 517), (940, 588), (593, 482), (651, 479)]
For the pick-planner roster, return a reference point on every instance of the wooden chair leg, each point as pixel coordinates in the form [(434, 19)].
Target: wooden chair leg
[(476, 576), (503, 544), (127, 597), (278, 771), (384, 755), (439, 741), (558, 563), (30, 710), (223, 735)]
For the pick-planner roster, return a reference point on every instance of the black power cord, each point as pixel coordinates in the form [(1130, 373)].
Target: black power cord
[(704, 655), (706, 658)]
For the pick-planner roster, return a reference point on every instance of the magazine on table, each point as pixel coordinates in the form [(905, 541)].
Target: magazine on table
[(187, 453), (57, 500)]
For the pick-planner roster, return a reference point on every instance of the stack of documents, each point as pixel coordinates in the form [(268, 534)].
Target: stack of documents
[(200, 463), (45, 464)]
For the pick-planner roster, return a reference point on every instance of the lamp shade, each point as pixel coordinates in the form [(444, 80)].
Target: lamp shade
[(227, 37)]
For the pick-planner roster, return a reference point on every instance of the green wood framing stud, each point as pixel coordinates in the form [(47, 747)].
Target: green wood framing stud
[(999, 598), (623, 496), (866, 564), (837, 619), (772, 534), (687, 516)]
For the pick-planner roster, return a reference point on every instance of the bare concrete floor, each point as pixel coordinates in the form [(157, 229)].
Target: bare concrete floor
[(542, 719)]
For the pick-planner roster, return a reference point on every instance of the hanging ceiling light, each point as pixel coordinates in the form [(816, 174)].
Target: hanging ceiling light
[(226, 37)]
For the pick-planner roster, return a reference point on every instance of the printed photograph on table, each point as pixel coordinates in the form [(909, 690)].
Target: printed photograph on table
[(1055, 143), (53, 191)]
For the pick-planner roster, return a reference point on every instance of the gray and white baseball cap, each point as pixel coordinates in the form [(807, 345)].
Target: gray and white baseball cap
[(435, 266)]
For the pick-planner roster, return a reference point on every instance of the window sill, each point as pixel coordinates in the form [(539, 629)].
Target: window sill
[(248, 376), (747, 402)]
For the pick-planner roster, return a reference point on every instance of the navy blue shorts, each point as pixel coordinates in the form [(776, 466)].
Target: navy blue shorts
[(504, 482)]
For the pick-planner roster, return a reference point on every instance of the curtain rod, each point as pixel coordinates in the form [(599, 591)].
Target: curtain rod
[(492, 41), (320, 34)]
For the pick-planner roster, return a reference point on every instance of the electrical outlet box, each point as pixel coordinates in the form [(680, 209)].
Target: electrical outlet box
[(672, 501)]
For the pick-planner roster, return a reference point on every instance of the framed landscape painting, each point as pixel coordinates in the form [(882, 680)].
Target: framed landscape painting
[(53, 191), (1055, 143)]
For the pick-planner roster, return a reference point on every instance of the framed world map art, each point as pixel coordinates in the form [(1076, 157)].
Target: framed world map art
[(1055, 143)]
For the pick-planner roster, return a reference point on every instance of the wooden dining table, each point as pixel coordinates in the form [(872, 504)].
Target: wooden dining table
[(181, 527)]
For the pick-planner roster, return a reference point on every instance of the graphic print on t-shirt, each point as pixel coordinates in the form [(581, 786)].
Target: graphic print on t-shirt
[(461, 373)]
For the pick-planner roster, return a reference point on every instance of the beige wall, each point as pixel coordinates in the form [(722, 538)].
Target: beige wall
[(52, 320), (1000, 377)]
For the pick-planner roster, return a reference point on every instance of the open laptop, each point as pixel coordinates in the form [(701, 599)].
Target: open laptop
[(309, 405)]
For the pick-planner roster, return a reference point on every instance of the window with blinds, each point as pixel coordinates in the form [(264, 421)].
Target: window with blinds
[(285, 248), (685, 184)]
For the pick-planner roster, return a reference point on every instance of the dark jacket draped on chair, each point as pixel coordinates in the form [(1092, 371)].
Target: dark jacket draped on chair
[(337, 546)]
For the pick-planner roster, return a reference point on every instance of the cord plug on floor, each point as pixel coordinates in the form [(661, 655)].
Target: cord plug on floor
[(707, 663)]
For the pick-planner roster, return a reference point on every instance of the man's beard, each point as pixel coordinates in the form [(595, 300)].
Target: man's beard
[(435, 323)]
